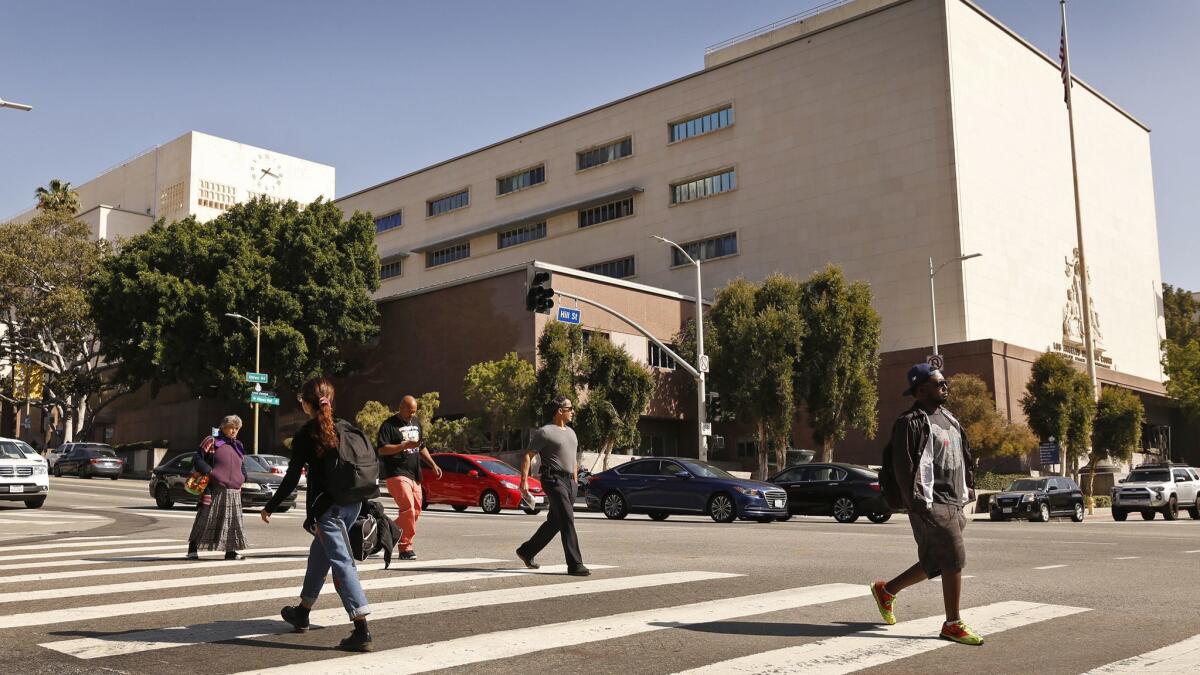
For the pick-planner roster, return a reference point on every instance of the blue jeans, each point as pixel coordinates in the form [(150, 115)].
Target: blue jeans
[(331, 548)]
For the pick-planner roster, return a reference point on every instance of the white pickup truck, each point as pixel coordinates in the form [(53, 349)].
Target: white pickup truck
[(24, 475), (1151, 489)]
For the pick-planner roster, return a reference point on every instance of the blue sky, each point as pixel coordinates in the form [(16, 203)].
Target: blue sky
[(378, 89)]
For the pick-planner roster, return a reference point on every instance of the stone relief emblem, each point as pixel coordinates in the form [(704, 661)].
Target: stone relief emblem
[(1073, 311)]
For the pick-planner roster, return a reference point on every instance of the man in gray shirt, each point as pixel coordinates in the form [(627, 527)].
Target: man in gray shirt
[(556, 445)]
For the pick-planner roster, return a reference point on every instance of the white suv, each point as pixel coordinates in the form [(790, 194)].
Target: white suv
[(1158, 488), (24, 475)]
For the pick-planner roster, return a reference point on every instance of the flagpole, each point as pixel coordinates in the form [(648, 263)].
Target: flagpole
[(1085, 294)]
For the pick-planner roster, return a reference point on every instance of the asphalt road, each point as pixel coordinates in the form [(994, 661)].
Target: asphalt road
[(96, 582)]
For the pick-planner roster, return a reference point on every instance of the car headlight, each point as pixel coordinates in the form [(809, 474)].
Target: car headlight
[(1027, 497), (1158, 488), (749, 492), (510, 486), (39, 470)]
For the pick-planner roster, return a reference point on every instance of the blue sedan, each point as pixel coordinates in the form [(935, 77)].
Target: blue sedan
[(661, 486)]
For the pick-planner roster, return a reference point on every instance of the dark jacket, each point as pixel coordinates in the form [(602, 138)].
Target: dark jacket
[(902, 457), (304, 454), (200, 459)]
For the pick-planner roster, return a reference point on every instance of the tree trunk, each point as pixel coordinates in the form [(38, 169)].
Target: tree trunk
[(1091, 491), (762, 452), (605, 453), (827, 451)]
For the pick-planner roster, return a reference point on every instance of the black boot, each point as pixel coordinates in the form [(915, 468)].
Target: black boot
[(192, 553), (359, 640), (296, 615)]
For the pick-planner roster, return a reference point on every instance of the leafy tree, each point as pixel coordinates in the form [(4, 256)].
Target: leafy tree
[(1182, 364), (160, 303), (45, 267), (371, 417), (989, 433), (1059, 402), (502, 389), (1181, 311), (1118, 427), (562, 360), (836, 378), (618, 391), (457, 434), (57, 196)]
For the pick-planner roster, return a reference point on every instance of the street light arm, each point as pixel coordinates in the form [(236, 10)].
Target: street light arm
[(954, 260), (677, 247)]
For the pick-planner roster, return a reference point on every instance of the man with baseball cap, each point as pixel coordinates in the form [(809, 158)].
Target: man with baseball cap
[(927, 471)]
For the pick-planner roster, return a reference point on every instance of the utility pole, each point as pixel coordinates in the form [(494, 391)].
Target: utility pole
[(14, 105), (701, 358), (933, 298), (257, 363)]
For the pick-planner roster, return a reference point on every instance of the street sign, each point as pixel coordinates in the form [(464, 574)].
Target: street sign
[(1049, 453), (256, 377), (703, 363), (936, 361), (264, 397), (706, 429), (568, 315)]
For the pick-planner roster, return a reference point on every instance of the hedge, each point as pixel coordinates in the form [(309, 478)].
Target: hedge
[(987, 480)]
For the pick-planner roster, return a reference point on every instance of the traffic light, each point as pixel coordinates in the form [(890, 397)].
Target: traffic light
[(714, 406), (540, 296)]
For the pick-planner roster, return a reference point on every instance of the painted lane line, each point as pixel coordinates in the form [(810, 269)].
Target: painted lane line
[(486, 647), (177, 565), (1196, 551), (77, 544), (1181, 657), (850, 653), (1129, 557), (4, 521), (169, 604), (140, 558), (1049, 567), (37, 515), (68, 554), (141, 641), (135, 586)]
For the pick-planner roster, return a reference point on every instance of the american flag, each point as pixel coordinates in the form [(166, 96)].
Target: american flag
[(1062, 59)]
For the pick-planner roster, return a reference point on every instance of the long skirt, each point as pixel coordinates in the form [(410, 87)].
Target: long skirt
[(218, 524)]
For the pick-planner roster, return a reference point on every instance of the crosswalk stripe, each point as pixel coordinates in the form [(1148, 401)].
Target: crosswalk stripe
[(134, 586), (5, 521), (77, 544), (167, 604), (218, 631), (1049, 567), (1179, 658), (38, 515), (123, 559), (67, 554), (850, 653), (177, 564), (516, 642)]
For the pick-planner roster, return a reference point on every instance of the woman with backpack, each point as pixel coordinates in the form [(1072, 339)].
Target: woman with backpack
[(218, 523), (332, 509)]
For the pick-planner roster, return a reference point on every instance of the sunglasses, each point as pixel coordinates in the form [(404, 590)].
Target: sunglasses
[(944, 384), (566, 409)]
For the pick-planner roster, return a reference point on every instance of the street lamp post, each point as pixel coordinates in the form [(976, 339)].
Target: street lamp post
[(932, 297), (14, 105), (701, 359), (257, 363)]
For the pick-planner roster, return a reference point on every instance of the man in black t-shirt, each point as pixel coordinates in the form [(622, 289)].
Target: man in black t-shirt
[(401, 446)]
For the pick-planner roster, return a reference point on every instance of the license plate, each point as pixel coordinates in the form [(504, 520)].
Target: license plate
[(1007, 509), (539, 500), (16, 488), (778, 503)]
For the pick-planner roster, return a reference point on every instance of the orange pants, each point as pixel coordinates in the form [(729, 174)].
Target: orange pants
[(407, 493)]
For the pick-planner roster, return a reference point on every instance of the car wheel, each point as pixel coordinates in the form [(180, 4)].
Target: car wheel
[(1147, 514), (85, 473), (115, 477), (1120, 515), (162, 497), (784, 519), (532, 512), (1171, 510), (722, 509), (844, 510), (659, 515), (614, 506), (35, 503), (1043, 514), (459, 507), (766, 519), (879, 518), (1077, 515), (489, 501), (57, 471), (1194, 512)]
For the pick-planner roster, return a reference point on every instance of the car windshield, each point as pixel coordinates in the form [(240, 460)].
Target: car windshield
[(1026, 484), (16, 450), (1150, 476), (252, 463), (706, 470), (499, 468)]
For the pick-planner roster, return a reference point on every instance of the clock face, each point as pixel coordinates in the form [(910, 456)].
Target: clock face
[(266, 173)]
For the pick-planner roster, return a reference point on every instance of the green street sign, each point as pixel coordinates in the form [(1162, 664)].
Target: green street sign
[(260, 378), (264, 397)]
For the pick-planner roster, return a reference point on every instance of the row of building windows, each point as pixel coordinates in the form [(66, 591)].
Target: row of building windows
[(706, 249), (659, 359), (604, 154), (448, 254), (521, 180), (453, 202), (606, 212), (621, 268), (706, 186), (520, 235), (391, 269), (701, 124), (388, 222)]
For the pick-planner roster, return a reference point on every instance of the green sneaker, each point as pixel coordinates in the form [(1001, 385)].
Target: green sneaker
[(961, 633), (884, 601)]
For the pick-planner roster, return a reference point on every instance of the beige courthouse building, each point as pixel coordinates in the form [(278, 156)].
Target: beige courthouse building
[(874, 135)]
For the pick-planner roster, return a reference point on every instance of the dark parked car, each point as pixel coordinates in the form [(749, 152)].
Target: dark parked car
[(1038, 499), (167, 479), (90, 459), (844, 491), (662, 486)]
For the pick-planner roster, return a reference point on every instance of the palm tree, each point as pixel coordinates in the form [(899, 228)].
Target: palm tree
[(58, 195)]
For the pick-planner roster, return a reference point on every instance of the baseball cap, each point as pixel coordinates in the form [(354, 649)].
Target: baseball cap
[(918, 375)]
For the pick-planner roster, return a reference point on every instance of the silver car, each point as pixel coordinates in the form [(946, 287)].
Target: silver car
[(279, 465)]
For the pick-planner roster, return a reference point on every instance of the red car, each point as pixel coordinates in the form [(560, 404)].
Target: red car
[(478, 480)]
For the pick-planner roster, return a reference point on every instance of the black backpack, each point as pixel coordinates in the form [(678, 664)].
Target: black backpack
[(354, 473), (364, 537)]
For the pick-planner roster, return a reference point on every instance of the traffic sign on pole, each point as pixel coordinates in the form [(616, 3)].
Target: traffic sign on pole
[(568, 315), (1049, 453), (264, 397), (256, 377)]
